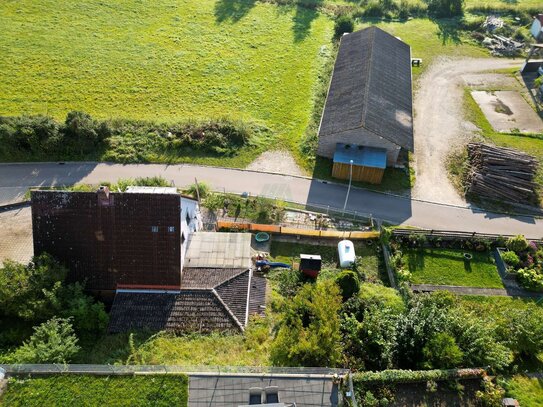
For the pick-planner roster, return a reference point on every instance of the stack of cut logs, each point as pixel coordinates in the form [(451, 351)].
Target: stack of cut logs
[(501, 174)]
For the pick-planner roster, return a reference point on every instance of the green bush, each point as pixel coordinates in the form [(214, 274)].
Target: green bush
[(442, 352), (308, 332), (510, 258), (348, 283), (446, 8), (517, 243), (203, 189), (53, 341), (81, 136), (344, 24), (531, 279)]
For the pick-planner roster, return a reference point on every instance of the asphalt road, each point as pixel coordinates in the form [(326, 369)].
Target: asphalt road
[(16, 178)]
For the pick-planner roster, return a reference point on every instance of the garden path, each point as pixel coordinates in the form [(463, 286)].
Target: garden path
[(502, 292)]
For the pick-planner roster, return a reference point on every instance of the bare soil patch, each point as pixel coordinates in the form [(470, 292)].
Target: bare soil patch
[(277, 161), (508, 111)]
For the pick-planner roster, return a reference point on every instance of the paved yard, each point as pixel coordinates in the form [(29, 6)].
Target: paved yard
[(16, 235), (508, 111)]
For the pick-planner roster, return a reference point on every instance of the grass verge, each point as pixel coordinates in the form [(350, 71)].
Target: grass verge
[(448, 267), (78, 390), (528, 391)]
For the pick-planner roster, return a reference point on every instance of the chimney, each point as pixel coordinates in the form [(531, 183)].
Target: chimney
[(103, 196)]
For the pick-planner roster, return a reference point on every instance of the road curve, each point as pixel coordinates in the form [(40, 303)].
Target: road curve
[(16, 178)]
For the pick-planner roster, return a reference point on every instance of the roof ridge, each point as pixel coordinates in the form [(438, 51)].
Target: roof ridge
[(368, 81), (231, 278), (228, 310)]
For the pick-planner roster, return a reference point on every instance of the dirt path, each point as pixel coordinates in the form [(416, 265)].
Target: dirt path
[(277, 161), (439, 124)]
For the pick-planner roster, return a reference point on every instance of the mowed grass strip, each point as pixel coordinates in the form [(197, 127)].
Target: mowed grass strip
[(163, 60), (79, 390), (448, 267)]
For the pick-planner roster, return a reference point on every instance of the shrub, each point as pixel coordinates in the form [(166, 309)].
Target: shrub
[(348, 283), (531, 279), (446, 8), (517, 243), (53, 341), (308, 333), (510, 258), (344, 24), (203, 189), (442, 352)]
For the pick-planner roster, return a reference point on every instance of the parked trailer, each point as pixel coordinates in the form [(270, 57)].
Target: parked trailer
[(346, 252)]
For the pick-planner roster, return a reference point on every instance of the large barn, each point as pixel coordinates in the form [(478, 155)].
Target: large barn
[(368, 117)]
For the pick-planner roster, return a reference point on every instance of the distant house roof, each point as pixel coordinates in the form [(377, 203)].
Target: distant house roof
[(361, 155), (371, 88), (209, 300)]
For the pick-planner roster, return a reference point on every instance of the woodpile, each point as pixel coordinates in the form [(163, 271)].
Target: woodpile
[(500, 173)]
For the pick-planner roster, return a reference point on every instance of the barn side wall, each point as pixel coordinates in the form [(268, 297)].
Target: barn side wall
[(327, 143)]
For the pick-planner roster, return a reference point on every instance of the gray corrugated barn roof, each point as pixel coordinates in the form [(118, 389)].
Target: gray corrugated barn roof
[(371, 88)]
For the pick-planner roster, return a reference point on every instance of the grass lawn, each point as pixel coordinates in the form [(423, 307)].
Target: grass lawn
[(528, 391), (76, 390), (190, 350), (447, 267), (370, 260), (503, 4), (163, 60)]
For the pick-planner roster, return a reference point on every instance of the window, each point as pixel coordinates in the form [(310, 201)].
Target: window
[(171, 229), (154, 229)]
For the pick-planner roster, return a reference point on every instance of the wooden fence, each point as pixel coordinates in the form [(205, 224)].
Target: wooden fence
[(284, 230), (448, 234)]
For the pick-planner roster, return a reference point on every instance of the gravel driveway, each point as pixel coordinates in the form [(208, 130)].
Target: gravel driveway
[(439, 123)]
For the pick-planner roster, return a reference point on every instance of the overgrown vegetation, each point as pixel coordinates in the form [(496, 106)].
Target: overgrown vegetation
[(37, 295), (255, 209), (526, 260), (78, 390), (528, 391), (82, 137)]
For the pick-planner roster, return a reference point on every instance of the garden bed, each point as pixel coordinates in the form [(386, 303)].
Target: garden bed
[(450, 267), (524, 260)]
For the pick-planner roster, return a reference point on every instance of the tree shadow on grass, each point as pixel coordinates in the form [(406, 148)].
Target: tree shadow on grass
[(449, 31), (303, 17), (232, 10)]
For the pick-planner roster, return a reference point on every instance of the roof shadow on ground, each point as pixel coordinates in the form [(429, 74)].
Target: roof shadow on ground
[(29, 175), (330, 196)]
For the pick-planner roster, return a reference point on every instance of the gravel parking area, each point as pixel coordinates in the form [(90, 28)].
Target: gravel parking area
[(440, 127), (16, 235)]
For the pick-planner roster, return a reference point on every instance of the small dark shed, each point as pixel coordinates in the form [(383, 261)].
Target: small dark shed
[(310, 264)]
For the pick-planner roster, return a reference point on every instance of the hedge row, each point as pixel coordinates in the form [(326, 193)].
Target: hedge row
[(411, 376)]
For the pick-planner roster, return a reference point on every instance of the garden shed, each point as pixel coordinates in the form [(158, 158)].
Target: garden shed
[(369, 103), (368, 163)]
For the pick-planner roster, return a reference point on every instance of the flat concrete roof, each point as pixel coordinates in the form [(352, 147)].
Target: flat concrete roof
[(219, 250)]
